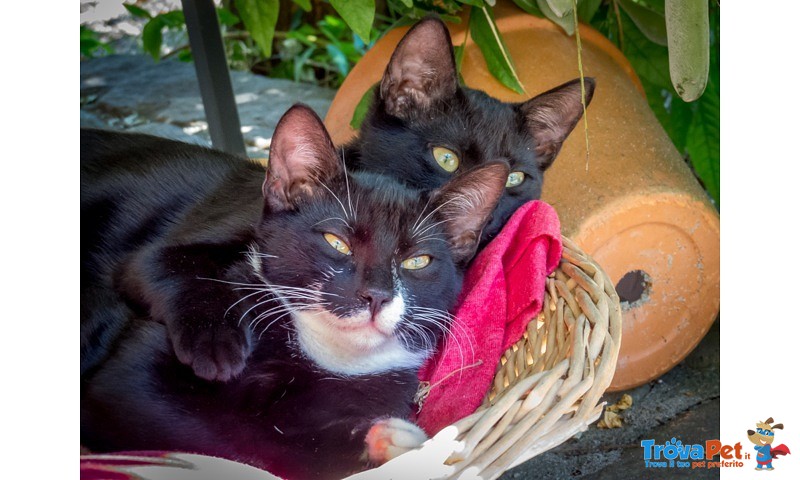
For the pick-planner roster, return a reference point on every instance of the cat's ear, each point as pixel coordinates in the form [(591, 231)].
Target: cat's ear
[(551, 116), (422, 70), (466, 203), (300, 157)]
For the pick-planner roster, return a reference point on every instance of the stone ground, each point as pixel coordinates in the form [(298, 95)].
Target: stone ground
[(134, 93)]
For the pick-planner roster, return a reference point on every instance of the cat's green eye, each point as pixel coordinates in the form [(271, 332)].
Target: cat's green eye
[(415, 263), (514, 179), (446, 158), (338, 244)]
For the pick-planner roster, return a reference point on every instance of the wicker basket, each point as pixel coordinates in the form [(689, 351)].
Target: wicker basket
[(547, 386)]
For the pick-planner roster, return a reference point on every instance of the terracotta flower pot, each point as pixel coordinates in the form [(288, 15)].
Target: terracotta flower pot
[(637, 210)]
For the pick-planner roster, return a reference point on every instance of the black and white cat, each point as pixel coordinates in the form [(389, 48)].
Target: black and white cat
[(314, 292), (424, 128)]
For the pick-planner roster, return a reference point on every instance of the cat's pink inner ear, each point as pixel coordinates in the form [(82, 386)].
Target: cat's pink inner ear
[(551, 117), (466, 204), (422, 70), (301, 156)]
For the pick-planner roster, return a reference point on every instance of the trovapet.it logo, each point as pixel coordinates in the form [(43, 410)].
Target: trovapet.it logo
[(676, 454)]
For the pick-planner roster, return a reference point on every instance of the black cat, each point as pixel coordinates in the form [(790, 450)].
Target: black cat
[(421, 110), (335, 284)]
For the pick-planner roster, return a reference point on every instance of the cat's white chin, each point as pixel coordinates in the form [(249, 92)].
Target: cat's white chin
[(358, 344)]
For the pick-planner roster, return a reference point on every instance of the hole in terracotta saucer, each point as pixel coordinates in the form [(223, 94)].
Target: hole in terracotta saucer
[(634, 289)]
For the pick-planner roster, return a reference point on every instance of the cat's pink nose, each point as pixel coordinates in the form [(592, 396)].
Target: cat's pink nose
[(376, 298)]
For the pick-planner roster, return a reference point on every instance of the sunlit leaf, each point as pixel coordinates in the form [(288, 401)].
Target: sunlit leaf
[(566, 22), (560, 7), (151, 37), (650, 22), (688, 35), (358, 14), (137, 11), (173, 19), (363, 107), (260, 17), (486, 35), (226, 17)]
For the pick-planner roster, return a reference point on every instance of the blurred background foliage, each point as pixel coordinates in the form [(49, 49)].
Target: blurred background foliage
[(320, 41)]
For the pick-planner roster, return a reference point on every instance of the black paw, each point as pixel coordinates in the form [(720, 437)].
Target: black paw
[(219, 353)]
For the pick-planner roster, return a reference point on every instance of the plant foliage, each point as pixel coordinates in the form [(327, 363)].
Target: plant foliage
[(320, 41)]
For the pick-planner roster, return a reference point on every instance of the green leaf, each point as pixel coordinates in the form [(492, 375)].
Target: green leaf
[(674, 114), (260, 17), (174, 19), (151, 37), (560, 7), (91, 46), (587, 9), (304, 4), (688, 35), (338, 59), (185, 56), (474, 3), (137, 11), (702, 142), (226, 17), (650, 22), (486, 35), (530, 6), (407, 3), (458, 51), (566, 22), (363, 107), (651, 61), (300, 62), (358, 14)]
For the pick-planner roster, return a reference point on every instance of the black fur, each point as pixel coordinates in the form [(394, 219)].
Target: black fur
[(191, 237), (420, 105)]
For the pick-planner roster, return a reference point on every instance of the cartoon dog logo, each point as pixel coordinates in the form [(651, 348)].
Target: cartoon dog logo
[(763, 438)]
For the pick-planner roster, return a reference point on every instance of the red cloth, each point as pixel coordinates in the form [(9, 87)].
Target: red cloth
[(503, 289)]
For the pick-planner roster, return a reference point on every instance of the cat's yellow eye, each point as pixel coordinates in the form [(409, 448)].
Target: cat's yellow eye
[(415, 263), (338, 244), (514, 179), (446, 158)]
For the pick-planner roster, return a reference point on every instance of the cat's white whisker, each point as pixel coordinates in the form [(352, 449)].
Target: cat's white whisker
[(336, 218), (429, 227), (421, 213), (347, 184), (414, 231), (336, 197), (237, 302)]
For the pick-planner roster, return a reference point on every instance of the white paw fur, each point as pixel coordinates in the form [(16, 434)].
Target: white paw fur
[(392, 437)]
